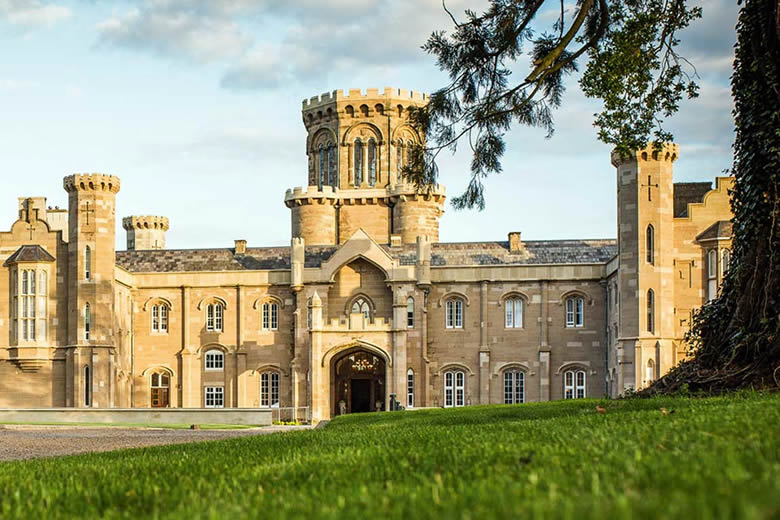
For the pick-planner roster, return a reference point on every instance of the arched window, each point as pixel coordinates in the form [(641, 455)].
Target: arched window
[(270, 316), (87, 386), (372, 162), (87, 321), (574, 384), (410, 313), (332, 180), (454, 388), (214, 316), (725, 261), (399, 158), (514, 387), (358, 162), (513, 313), (650, 371), (575, 307), (410, 388), (269, 389), (160, 384), (87, 263), (650, 244), (215, 360), (362, 306), (454, 313), (160, 318), (321, 173), (650, 311)]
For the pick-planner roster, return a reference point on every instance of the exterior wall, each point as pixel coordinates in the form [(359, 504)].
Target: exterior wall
[(371, 215), (418, 215)]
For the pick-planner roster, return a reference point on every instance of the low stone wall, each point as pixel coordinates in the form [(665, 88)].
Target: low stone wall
[(146, 416)]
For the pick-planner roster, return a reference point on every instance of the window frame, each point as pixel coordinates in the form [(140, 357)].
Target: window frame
[(215, 313), (650, 244), (269, 319), (269, 389), (410, 388), (511, 314), (650, 311), (87, 321), (453, 313), (358, 167), (216, 358), (217, 396), (410, 313), (87, 263), (514, 392), (571, 383), (454, 388), (574, 308)]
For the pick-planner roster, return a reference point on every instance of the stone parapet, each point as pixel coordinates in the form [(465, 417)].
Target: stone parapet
[(357, 95), (91, 182), (146, 222), (668, 152)]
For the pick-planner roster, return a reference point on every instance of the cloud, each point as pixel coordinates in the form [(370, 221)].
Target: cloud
[(15, 84), (32, 13)]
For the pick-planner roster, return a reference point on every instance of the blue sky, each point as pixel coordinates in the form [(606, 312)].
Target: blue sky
[(195, 105)]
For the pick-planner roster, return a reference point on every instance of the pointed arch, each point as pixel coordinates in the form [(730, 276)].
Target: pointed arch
[(212, 299), (357, 344)]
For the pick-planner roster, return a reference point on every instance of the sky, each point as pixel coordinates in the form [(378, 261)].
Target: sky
[(195, 105)]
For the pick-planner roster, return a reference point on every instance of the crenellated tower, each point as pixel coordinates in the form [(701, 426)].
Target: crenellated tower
[(91, 265), (145, 232), (357, 144)]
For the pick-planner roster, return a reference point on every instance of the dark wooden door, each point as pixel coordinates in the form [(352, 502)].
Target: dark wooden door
[(361, 396), (160, 398)]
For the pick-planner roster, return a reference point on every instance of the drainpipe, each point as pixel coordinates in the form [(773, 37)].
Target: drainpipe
[(132, 353)]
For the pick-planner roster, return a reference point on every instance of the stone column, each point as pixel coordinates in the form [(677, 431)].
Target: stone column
[(320, 376), (398, 384)]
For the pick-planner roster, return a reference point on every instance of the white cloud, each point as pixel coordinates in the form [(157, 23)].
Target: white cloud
[(32, 13)]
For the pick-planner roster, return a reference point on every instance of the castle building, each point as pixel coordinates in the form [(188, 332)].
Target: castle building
[(366, 305)]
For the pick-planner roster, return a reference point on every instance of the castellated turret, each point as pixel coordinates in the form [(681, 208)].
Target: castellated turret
[(145, 232), (357, 145)]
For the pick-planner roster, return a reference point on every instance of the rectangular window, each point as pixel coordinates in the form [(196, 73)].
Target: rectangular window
[(155, 318), (568, 385), (210, 317), (460, 386), (410, 389), (266, 316), (274, 317), (449, 379), (570, 312), (264, 390), (218, 317), (215, 397), (580, 385), (410, 313), (163, 318), (510, 318), (580, 311)]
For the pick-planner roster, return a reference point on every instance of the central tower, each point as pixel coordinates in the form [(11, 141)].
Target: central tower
[(356, 146)]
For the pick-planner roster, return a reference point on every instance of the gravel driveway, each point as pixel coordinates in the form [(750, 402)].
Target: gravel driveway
[(28, 442)]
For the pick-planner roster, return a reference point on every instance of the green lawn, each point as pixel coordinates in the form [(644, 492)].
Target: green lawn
[(710, 458)]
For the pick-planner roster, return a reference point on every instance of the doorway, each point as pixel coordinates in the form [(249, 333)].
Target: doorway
[(359, 383)]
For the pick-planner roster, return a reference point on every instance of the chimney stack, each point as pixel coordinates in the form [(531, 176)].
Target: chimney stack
[(515, 242), (240, 247)]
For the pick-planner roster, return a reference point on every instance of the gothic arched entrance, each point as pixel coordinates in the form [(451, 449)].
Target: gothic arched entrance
[(359, 382)]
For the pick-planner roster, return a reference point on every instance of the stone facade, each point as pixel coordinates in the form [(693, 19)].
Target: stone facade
[(365, 305)]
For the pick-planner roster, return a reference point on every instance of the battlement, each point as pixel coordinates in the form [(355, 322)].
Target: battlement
[(669, 152), (146, 222), (358, 95), (91, 182), (401, 190), (309, 194)]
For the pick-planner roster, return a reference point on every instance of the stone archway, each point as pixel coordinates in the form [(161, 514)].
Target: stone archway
[(358, 382)]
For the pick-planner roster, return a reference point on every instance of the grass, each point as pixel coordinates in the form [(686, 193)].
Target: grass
[(705, 458), (135, 425)]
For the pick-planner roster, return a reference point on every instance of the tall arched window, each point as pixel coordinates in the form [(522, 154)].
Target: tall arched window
[(87, 321), (399, 158), (454, 388), (321, 173), (453, 313), (269, 389), (725, 261), (650, 244), (575, 308), (87, 263), (332, 180), (514, 387), (87, 386), (215, 360), (650, 371), (650, 311), (214, 317), (410, 313), (574, 384), (270, 316), (410, 388), (160, 318), (513, 313), (160, 385), (372, 162), (358, 162)]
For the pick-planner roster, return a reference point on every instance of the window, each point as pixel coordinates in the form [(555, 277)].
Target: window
[(514, 387), (712, 274), (270, 316), (214, 317), (574, 384), (332, 165), (650, 244), (308, 315), (454, 388), (574, 311), (399, 158), (650, 371), (160, 390), (87, 263), (160, 318), (410, 388), (321, 172), (372, 162), (87, 321), (513, 308), (215, 397), (269, 389), (358, 162), (454, 313), (215, 360), (30, 320), (725, 261), (361, 306), (87, 386), (410, 313), (650, 311)]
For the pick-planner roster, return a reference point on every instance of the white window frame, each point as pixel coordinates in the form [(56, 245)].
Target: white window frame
[(160, 318), (214, 360), (725, 262), (87, 263), (214, 397), (575, 312), (410, 313), (410, 388), (575, 382), (453, 308), (214, 317), (269, 389), (270, 318), (513, 313), (454, 389), (514, 386)]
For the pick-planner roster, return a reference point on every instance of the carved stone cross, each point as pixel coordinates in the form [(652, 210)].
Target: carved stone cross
[(87, 211), (648, 186)]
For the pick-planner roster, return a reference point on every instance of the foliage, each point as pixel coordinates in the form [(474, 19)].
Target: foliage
[(632, 66), (735, 339), (667, 457)]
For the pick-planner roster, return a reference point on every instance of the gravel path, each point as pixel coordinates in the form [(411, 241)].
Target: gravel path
[(29, 442)]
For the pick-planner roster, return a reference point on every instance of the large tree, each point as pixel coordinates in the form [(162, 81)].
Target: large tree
[(632, 65)]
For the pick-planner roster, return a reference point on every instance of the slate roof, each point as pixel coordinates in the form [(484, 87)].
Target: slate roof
[(687, 193), (29, 253), (720, 229), (465, 253)]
